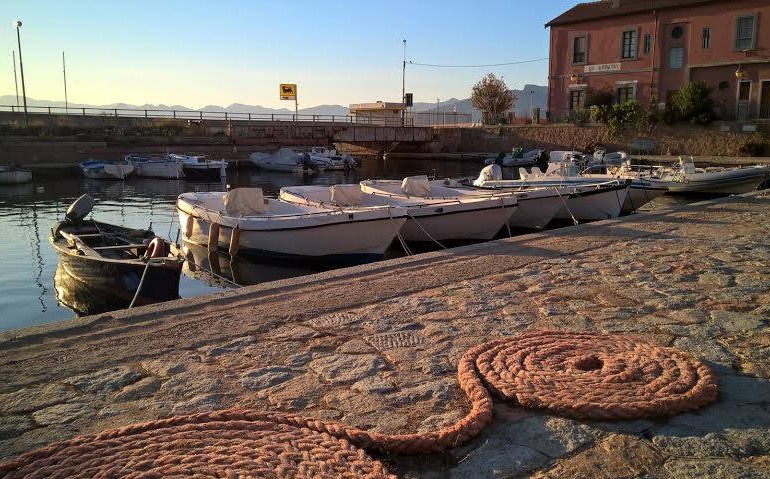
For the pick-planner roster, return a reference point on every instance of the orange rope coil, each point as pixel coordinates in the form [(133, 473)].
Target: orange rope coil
[(579, 375)]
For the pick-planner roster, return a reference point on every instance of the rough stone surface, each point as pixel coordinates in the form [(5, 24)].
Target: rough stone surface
[(63, 413), (377, 347), (143, 388), (105, 380), (341, 368), (33, 398), (12, 426), (264, 378)]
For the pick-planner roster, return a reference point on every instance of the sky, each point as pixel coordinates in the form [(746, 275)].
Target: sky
[(197, 53)]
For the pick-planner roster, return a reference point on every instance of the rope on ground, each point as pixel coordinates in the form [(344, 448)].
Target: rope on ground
[(580, 375)]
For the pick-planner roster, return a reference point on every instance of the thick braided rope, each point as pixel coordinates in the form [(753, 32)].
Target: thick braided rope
[(574, 374)]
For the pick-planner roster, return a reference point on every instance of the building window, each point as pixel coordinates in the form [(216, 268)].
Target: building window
[(706, 42), (626, 93), (647, 43), (629, 43), (745, 32), (577, 99), (676, 58), (579, 49)]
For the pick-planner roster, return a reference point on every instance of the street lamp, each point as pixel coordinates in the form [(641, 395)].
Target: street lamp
[(17, 23)]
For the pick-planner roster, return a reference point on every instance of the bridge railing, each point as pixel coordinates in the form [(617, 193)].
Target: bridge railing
[(413, 119)]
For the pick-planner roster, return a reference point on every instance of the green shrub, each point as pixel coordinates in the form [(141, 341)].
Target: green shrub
[(692, 103)]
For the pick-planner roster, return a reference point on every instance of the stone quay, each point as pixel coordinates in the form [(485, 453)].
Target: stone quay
[(377, 346)]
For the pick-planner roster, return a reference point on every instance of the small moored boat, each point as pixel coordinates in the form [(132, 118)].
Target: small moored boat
[(285, 159), (200, 166), (243, 221), (155, 166), (106, 170), (11, 175), (115, 260), (683, 178), (439, 212)]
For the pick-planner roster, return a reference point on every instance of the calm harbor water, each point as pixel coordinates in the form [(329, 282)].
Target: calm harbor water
[(28, 295)]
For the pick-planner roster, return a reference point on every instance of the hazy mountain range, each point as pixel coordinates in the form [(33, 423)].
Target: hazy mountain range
[(539, 99)]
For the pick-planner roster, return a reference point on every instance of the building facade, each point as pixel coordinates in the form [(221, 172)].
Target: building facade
[(645, 50), (379, 113)]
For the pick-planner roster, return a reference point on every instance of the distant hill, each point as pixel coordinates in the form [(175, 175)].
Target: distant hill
[(539, 98)]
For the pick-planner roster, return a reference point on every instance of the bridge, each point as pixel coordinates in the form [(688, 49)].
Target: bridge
[(267, 128)]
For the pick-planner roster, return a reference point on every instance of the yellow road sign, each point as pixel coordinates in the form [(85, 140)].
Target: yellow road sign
[(288, 91)]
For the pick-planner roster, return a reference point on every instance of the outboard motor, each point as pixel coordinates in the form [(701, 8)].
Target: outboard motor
[(79, 209), (306, 162), (542, 159)]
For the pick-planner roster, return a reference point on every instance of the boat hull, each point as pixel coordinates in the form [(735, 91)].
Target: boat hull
[(204, 172), (639, 195), (117, 282), (165, 171), (15, 177), (429, 223), (594, 203), (346, 242), (108, 172), (738, 181), (534, 212)]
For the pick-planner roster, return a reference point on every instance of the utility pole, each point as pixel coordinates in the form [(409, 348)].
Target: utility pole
[(21, 67), (403, 88), (64, 69), (531, 92), (15, 80), (437, 111)]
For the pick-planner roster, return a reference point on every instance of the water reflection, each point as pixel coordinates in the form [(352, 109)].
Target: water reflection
[(221, 270), (28, 266)]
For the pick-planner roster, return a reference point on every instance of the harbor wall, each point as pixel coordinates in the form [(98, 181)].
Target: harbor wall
[(674, 140)]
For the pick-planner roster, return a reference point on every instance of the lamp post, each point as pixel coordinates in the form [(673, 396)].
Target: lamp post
[(403, 88), (21, 67)]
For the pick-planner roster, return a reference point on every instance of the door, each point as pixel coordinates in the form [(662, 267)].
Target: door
[(764, 100), (742, 107)]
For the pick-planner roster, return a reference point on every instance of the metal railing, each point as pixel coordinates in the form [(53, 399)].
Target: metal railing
[(413, 119)]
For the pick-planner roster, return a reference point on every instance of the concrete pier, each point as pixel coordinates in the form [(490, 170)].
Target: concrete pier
[(376, 347)]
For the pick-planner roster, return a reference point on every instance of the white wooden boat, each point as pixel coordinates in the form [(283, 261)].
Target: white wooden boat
[(684, 177), (106, 170), (156, 166), (535, 207), (11, 175), (442, 213), (200, 166), (641, 191), (243, 221), (584, 199), (285, 159), (329, 159)]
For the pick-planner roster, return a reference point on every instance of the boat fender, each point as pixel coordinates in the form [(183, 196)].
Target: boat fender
[(188, 226), (156, 249)]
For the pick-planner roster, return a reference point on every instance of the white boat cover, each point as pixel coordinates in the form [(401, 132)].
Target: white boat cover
[(416, 186), (489, 173), (245, 202), (346, 195)]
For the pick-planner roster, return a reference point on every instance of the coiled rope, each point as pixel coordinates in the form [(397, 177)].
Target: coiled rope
[(580, 375)]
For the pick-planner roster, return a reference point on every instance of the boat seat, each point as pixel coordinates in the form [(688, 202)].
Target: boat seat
[(120, 246), (245, 202), (346, 195), (416, 186), (536, 172), (523, 173)]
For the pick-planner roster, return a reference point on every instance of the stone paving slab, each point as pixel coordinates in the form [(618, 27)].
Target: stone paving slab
[(376, 347)]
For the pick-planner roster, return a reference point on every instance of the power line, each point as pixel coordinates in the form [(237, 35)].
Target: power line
[(478, 66)]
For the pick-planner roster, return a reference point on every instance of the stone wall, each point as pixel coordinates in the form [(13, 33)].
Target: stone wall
[(679, 140)]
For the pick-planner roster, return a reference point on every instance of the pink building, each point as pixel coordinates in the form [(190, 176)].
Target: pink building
[(647, 49)]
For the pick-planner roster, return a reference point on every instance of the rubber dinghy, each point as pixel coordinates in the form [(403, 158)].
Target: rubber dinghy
[(106, 170), (243, 221), (683, 178), (442, 213)]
